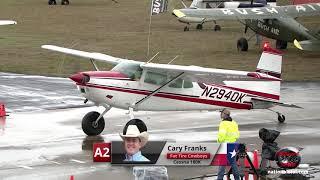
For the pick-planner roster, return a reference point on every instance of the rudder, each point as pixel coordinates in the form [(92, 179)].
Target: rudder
[(270, 62)]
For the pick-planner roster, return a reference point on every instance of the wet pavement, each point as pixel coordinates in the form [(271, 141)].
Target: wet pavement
[(42, 137)]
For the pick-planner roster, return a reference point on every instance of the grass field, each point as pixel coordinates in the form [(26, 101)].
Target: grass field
[(121, 30)]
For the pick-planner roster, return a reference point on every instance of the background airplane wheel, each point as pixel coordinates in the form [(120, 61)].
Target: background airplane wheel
[(88, 124), (242, 44), (186, 28), (52, 2), (281, 118), (199, 26), (217, 27), (281, 44), (64, 2)]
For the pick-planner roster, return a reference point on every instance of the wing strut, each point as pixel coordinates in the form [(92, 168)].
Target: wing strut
[(156, 91), (94, 64)]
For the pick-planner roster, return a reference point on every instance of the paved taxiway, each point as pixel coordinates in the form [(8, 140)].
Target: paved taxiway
[(42, 137)]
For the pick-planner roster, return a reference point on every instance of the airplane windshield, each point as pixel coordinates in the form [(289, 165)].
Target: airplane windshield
[(132, 70)]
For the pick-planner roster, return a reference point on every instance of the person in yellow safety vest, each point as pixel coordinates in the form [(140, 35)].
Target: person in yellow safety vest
[(228, 133)]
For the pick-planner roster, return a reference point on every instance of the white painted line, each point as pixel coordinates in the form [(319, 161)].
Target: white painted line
[(78, 161), (25, 167), (55, 162)]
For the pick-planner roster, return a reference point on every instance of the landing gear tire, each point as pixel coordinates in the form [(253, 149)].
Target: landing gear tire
[(64, 2), (281, 44), (186, 28), (199, 26), (281, 118), (89, 126), (217, 27), (52, 2), (242, 44)]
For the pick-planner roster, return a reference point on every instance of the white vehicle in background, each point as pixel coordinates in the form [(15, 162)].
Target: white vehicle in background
[(7, 22)]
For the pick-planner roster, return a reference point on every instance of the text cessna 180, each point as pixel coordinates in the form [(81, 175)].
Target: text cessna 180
[(273, 22), (146, 86)]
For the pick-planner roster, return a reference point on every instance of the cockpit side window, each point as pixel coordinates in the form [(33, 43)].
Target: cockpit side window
[(176, 84), (155, 78), (132, 70), (187, 84)]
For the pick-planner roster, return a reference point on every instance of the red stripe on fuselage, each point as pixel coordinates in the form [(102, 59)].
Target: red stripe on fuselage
[(265, 95), (176, 97)]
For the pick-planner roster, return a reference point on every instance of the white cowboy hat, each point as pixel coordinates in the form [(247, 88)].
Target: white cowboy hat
[(136, 128)]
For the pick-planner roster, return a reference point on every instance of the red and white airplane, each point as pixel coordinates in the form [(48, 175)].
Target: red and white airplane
[(135, 85)]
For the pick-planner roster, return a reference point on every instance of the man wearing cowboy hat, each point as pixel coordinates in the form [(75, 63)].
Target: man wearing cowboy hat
[(134, 136), (228, 133)]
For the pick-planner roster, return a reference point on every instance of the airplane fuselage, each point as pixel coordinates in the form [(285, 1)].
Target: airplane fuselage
[(122, 92), (284, 29)]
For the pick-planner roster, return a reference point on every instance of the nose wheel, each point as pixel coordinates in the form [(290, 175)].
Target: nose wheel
[(90, 126)]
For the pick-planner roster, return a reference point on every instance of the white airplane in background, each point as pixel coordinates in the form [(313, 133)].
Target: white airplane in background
[(135, 85), (210, 4), (7, 22)]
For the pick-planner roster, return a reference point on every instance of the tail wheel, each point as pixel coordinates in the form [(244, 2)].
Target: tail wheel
[(281, 118), (242, 44), (65, 2), (89, 125)]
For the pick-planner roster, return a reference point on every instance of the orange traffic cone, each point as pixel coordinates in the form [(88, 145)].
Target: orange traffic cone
[(71, 177), (2, 110)]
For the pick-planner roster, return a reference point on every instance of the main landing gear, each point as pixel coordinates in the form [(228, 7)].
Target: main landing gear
[(54, 2), (216, 27), (93, 122)]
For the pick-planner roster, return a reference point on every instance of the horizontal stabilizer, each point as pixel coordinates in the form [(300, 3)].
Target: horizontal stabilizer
[(265, 104)]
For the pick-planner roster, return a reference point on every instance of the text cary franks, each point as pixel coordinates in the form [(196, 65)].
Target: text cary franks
[(187, 148)]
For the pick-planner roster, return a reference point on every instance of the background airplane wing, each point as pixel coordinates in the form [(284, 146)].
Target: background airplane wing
[(205, 75), (7, 22), (90, 55), (312, 9)]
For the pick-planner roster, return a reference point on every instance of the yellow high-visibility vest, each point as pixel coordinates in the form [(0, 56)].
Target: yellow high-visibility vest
[(228, 132)]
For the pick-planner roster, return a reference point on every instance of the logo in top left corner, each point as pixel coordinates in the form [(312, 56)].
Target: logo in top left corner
[(102, 152)]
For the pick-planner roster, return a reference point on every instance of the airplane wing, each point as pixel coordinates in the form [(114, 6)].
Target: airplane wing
[(293, 11), (7, 22), (89, 55), (206, 75)]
